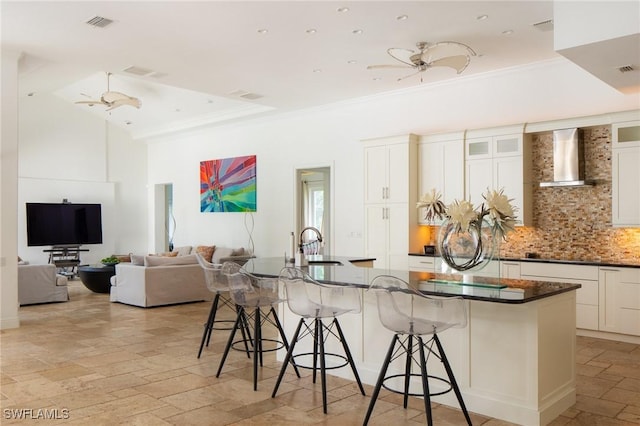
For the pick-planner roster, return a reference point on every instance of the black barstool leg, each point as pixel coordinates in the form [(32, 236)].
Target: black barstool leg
[(214, 308), (425, 383), (208, 327), (256, 347), (383, 372), (407, 370), (288, 357), (323, 371), (244, 329), (347, 352), (274, 314), (452, 379), (316, 344), (230, 341)]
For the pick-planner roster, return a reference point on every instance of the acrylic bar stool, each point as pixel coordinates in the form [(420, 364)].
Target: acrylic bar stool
[(217, 283), (321, 304), (412, 315), (255, 298)]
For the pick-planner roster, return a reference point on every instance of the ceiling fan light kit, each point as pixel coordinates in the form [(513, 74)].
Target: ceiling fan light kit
[(113, 100), (450, 54)]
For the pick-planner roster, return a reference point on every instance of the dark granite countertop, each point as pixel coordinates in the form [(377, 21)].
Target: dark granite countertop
[(542, 260), (340, 270)]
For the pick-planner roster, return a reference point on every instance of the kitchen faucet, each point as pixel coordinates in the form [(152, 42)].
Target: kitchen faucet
[(302, 233)]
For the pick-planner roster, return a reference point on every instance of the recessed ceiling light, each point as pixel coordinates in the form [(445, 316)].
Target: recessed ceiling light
[(311, 31), (342, 9), (30, 94), (317, 70), (402, 17), (507, 32), (352, 62), (263, 31), (376, 79), (177, 109), (482, 17), (127, 123), (357, 31)]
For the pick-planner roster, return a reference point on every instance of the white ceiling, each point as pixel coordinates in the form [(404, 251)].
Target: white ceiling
[(205, 54)]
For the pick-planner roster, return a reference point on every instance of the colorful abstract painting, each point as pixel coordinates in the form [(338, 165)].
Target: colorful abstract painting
[(228, 185)]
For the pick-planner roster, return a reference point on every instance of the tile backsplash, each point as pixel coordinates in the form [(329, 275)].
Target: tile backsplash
[(574, 223)]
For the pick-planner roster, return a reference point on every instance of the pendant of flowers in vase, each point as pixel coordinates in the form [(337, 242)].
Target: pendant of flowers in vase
[(468, 236)]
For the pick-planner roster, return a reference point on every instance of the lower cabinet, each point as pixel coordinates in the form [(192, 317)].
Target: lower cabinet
[(620, 300), (422, 263), (586, 297)]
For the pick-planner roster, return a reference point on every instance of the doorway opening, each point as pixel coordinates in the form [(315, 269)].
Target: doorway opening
[(314, 206)]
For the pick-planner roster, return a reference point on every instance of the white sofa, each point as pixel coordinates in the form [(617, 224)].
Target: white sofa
[(41, 284), (159, 280)]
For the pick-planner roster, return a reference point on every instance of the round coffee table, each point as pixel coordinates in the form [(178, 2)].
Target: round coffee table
[(97, 278)]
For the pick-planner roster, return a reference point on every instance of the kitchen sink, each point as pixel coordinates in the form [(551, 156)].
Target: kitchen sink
[(325, 262)]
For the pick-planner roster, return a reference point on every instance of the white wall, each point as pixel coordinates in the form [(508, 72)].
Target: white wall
[(65, 152), (9, 191), (545, 91)]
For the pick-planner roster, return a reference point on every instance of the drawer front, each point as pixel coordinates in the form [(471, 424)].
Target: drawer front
[(559, 270), (421, 263)]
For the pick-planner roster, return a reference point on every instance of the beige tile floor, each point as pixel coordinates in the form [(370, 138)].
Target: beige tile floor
[(91, 362)]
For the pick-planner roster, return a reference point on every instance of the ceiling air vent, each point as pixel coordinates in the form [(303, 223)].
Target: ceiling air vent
[(245, 95), (625, 68), (544, 25), (138, 70), (251, 96), (99, 21)]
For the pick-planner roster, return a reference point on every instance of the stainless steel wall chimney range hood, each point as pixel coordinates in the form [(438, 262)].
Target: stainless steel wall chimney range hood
[(568, 159)]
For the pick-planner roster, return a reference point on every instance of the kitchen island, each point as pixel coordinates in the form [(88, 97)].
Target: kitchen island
[(514, 361)]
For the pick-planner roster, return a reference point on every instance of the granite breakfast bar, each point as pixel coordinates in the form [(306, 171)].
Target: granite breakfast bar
[(514, 361)]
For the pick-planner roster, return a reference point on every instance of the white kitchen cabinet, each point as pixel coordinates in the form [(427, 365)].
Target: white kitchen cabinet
[(386, 173), (500, 162), (625, 186), (441, 166), (422, 263), (619, 300), (509, 269), (587, 302), (387, 238), (391, 177), (625, 134)]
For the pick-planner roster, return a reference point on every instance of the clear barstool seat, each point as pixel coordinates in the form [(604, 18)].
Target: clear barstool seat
[(322, 304), (410, 315), (256, 298)]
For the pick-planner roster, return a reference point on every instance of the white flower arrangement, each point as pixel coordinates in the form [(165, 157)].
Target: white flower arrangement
[(497, 208)]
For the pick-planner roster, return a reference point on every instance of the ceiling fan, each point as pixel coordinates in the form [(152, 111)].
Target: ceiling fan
[(442, 54), (112, 100)]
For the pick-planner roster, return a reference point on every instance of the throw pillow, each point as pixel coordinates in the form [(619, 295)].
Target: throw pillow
[(221, 253), (137, 259), (123, 258), (238, 252), (166, 261), (183, 251), (206, 252)]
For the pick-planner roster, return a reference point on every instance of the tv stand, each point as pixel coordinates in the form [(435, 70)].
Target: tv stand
[(66, 258)]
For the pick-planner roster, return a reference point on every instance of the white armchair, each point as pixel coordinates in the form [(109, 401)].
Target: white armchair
[(41, 284)]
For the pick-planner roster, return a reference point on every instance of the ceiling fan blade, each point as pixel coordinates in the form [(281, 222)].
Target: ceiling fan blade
[(134, 102), (447, 48), (402, 55), (90, 103), (372, 67), (410, 75), (458, 62), (114, 96)]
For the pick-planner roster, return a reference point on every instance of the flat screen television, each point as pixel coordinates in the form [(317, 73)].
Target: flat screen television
[(50, 224)]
